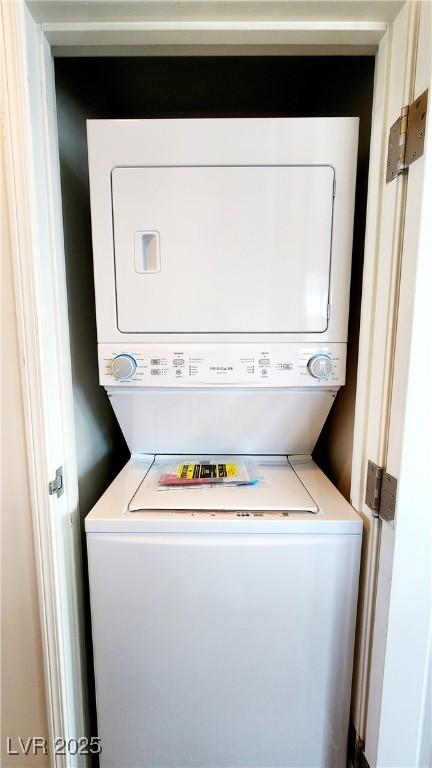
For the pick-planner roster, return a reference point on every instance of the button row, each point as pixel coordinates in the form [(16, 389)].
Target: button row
[(320, 366)]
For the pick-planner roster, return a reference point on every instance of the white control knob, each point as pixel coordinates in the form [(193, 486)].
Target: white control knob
[(320, 366), (123, 366)]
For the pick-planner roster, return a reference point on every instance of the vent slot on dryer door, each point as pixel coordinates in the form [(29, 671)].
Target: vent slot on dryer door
[(222, 249)]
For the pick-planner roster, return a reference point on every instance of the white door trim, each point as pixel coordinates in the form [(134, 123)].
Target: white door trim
[(365, 11), (211, 33), (34, 212), (405, 576), (377, 335), (376, 183), (32, 157)]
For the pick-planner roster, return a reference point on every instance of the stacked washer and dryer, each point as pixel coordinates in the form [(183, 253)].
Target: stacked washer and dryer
[(223, 616)]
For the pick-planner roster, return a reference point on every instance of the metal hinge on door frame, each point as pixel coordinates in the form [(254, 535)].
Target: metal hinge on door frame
[(406, 137), (56, 486), (381, 492)]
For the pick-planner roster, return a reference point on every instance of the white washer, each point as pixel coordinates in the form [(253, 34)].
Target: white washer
[(223, 623)]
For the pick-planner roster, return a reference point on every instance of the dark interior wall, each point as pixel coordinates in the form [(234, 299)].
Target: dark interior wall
[(101, 450)]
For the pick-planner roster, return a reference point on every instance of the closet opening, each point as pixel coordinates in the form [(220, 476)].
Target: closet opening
[(191, 87)]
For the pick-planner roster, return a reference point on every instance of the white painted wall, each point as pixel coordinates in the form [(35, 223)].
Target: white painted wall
[(23, 703)]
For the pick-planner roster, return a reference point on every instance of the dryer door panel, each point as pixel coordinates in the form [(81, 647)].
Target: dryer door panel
[(222, 249)]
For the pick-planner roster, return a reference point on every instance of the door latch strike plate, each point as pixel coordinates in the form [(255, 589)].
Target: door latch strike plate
[(56, 487)]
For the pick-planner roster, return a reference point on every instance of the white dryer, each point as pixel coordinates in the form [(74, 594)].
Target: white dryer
[(223, 617)]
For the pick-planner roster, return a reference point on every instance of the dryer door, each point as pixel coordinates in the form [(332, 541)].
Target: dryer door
[(223, 249)]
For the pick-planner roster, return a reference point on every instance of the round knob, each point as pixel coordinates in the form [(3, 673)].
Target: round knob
[(123, 366), (320, 366)]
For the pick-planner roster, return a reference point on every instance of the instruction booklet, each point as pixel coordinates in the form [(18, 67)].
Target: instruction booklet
[(205, 473)]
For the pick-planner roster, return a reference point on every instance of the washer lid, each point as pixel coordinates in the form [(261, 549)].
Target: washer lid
[(278, 488)]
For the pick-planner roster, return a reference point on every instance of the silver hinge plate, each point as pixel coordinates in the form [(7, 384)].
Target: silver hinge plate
[(381, 491), (388, 497), (56, 486), (406, 137), (373, 486)]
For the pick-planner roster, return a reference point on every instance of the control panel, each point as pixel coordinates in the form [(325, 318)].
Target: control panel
[(213, 365)]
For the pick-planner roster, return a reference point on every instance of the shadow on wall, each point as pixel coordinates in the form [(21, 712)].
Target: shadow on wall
[(101, 450), (333, 451)]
